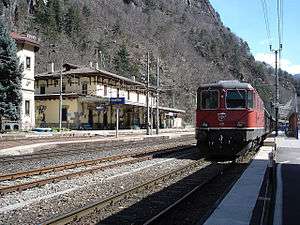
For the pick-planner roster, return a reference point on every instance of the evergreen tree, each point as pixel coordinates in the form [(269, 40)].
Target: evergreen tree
[(10, 77), (41, 14), (73, 21), (86, 10), (50, 17), (121, 61), (56, 8)]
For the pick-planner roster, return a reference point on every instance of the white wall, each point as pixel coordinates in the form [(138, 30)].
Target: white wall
[(27, 121)]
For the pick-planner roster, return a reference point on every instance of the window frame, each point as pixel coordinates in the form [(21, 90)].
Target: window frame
[(64, 116), (44, 89), (27, 107), (63, 88), (84, 91), (236, 89), (215, 90), (28, 62), (105, 90)]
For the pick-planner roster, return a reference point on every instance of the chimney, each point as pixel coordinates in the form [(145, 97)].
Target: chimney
[(91, 64), (97, 66), (133, 78), (51, 67)]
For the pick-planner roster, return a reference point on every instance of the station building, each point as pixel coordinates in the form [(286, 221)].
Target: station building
[(27, 46), (86, 92)]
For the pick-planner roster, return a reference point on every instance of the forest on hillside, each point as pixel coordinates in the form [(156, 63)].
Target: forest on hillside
[(187, 35)]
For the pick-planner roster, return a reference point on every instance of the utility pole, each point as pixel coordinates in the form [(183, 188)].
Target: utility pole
[(277, 92), (157, 97), (147, 98), (277, 52), (117, 121), (60, 101)]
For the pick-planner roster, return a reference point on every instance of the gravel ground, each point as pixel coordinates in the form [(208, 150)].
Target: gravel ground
[(38, 204), (13, 143), (24, 165), (57, 173)]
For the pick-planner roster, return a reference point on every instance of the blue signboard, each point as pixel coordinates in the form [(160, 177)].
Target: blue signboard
[(117, 101)]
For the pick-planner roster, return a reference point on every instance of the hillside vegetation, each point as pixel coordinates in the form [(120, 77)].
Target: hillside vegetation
[(188, 35)]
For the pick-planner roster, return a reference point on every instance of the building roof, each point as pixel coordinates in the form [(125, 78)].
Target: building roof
[(26, 39), (228, 84), (72, 69)]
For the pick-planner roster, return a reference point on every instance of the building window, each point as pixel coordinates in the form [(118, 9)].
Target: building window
[(84, 89), (105, 90), (55, 83), (118, 92), (138, 97), (128, 95), (27, 107), (42, 90), (63, 88), (64, 114), (28, 62)]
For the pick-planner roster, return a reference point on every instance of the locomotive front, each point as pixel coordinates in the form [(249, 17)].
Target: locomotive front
[(228, 117)]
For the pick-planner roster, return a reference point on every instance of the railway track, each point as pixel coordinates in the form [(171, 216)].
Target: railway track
[(195, 206), (87, 210), (127, 159), (86, 148), (171, 197)]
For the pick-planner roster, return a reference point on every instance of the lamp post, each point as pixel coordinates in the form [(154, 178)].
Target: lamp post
[(157, 97), (60, 102)]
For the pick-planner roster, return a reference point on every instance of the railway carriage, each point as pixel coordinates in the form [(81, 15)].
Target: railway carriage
[(230, 115)]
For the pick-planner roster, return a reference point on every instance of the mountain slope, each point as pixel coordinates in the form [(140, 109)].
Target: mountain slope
[(188, 35)]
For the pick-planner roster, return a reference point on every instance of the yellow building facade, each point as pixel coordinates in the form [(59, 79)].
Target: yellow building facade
[(86, 94)]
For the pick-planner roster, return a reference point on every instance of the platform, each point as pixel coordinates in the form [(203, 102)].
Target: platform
[(238, 205), (287, 205)]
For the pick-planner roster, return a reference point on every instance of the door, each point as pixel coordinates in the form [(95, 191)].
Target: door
[(91, 121)]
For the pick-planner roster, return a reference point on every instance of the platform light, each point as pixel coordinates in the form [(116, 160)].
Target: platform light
[(204, 124), (240, 124)]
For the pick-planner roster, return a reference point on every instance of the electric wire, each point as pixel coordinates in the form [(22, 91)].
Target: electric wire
[(280, 30), (266, 19)]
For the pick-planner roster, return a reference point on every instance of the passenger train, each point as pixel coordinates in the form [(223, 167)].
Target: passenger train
[(230, 115)]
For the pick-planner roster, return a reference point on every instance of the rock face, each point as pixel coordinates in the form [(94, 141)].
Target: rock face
[(187, 35)]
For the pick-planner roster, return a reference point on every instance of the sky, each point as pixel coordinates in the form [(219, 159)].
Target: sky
[(246, 19)]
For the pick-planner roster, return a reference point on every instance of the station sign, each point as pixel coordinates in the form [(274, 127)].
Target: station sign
[(101, 108), (117, 101)]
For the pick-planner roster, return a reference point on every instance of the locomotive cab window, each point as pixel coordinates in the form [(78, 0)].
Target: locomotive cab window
[(236, 99), (250, 100), (209, 99)]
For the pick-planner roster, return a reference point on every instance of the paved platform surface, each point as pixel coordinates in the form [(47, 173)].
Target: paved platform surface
[(287, 205), (238, 205), (30, 146)]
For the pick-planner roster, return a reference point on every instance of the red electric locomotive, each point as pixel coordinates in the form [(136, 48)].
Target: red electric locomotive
[(230, 115)]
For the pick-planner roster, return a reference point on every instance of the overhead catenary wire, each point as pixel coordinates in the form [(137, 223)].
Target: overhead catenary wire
[(266, 19), (280, 29)]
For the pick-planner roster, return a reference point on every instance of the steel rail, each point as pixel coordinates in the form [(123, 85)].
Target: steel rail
[(75, 215), (139, 157), (49, 169), (39, 183), (48, 154), (155, 219), (176, 203), (164, 212)]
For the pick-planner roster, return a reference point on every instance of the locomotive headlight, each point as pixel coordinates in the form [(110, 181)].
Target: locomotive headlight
[(204, 124), (240, 124)]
